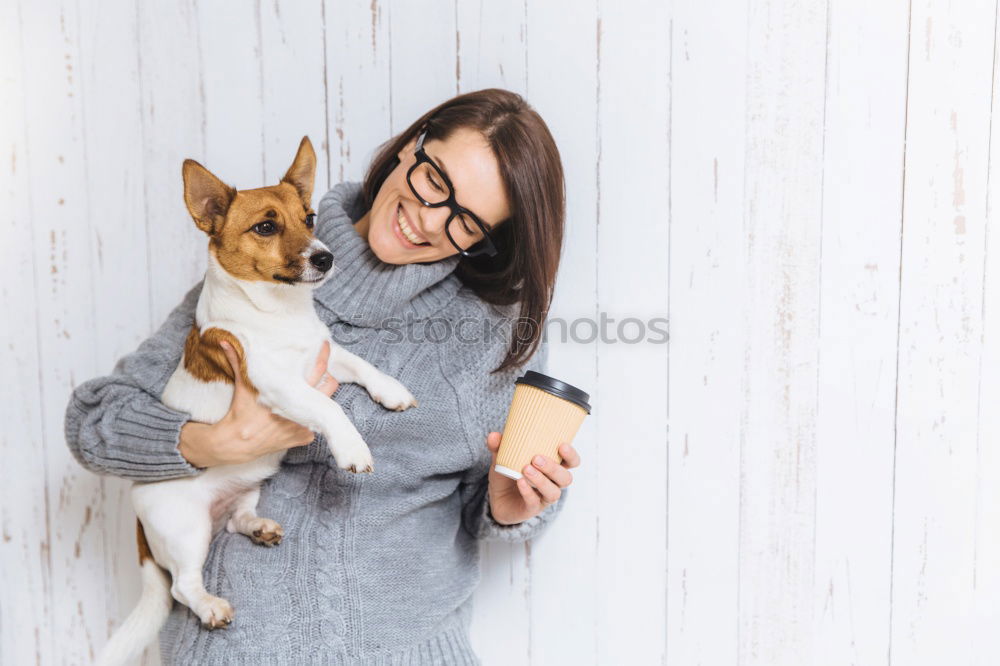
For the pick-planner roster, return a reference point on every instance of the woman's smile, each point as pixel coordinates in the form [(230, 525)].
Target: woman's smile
[(404, 231)]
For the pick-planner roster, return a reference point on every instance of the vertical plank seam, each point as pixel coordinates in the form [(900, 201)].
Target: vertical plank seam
[(819, 296), (90, 275), (982, 339), (326, 98), (597, 278), (670, 247), (143, 134), (46, 569), (899, 320), (744, 379), (201, 79), (524, 25), (458, 63), (260, 90), (392, 108), (145, 175)]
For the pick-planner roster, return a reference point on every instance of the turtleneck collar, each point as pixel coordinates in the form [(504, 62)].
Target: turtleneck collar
[(364, 290)]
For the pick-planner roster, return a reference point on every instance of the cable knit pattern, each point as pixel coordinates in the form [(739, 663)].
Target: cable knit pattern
[(374, 569)]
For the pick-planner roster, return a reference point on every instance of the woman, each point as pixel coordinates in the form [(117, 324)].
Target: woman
[(455, 232)]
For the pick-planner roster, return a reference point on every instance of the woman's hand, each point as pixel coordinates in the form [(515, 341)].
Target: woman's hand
[(250, 430), (541, 484)]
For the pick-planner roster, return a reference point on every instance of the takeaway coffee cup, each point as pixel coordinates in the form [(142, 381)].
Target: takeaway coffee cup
[(544, 413)]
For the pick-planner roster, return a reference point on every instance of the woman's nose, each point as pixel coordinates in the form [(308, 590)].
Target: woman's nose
[(433, 219)]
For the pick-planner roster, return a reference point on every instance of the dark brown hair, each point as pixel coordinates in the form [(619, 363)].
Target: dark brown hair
[(529, 242)]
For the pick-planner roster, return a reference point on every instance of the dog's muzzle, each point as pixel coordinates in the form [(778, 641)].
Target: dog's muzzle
[(323, 261), (319, 264)]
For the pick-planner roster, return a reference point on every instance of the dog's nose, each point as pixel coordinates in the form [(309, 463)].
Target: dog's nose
[(322, 261)]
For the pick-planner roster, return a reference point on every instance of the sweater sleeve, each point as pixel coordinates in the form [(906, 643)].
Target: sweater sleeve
[(116, 425), (477, 517)]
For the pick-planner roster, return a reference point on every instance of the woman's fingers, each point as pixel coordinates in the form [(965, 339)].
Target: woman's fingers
[(319, 367), (543, 466), (537, 497), (300, 435), (493, 442), (240, 389), (319, 377), (569, 455), (548, 488), (327, 385)]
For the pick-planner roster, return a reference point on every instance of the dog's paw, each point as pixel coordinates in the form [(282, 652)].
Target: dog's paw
[(351, 453), (215, 613), (266, 532), (391, 394)]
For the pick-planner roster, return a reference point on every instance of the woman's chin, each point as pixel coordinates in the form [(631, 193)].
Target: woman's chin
[(388, 252), (391, 251)]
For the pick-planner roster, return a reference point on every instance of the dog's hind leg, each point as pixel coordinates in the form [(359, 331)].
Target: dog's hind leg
[(245, 520), (184, 555)]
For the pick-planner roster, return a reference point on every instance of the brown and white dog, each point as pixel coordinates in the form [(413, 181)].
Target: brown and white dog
[(263, 263)]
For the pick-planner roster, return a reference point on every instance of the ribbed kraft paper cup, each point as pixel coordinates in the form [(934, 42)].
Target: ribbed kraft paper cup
[(539, 421)]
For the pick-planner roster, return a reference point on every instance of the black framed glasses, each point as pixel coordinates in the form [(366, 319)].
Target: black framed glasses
[(433, 189)]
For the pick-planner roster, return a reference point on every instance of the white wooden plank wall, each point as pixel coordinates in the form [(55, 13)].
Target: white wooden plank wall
[(806, 189)]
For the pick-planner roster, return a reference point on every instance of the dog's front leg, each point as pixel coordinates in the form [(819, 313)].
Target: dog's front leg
[(305, 405), (385, 390)]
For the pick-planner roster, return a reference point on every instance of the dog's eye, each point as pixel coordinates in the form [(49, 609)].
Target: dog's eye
[(310, 220), (265, 228)]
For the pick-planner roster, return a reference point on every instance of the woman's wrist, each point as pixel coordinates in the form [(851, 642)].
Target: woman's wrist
[(193, 443)]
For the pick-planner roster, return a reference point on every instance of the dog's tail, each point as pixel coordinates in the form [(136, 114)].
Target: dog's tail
[(143, 624)]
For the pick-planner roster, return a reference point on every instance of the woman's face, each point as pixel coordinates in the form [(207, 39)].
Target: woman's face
[(397, 216)]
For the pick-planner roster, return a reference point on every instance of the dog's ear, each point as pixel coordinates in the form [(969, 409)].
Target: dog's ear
[(207, 197), (302, 173)]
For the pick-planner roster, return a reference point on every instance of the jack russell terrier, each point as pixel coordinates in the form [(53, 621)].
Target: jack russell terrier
[(263, 264)]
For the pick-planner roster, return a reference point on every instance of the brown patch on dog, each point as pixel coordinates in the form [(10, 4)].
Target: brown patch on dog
[(205, 360), (246, 253), (143, 546), (258, 234)]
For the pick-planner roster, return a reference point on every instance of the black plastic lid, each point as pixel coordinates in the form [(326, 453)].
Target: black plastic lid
[(555, 387)]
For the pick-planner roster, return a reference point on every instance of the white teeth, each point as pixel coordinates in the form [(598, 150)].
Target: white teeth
[(405, 228)]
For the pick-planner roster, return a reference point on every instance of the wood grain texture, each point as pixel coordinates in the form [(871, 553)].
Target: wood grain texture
[(633, 244), (781, 231), (807, 189), (708, 311), (941, 332), (25, 564), (566, 587), (863, 149), (985, 612)]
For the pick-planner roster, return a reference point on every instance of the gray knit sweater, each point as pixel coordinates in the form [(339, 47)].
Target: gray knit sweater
[(373, 569)]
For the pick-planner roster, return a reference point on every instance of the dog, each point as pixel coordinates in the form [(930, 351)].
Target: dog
[(264, 262)]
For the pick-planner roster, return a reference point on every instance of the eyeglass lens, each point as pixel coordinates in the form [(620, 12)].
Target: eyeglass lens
[(430, 187)]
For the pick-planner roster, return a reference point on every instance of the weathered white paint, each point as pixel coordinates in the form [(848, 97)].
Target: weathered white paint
[(807, 189)]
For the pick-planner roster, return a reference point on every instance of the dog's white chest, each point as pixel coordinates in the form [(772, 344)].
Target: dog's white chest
[(273, 356)]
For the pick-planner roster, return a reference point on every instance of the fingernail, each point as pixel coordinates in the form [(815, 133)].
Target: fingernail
[(530, 471), (540, 461)]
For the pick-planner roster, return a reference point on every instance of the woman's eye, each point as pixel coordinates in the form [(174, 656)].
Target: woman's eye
[(310, 220), (465, 225), (433, 183), (265, 228)]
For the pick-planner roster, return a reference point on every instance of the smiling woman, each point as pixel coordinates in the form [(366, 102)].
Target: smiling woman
[(494, 154), (460, 219)]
